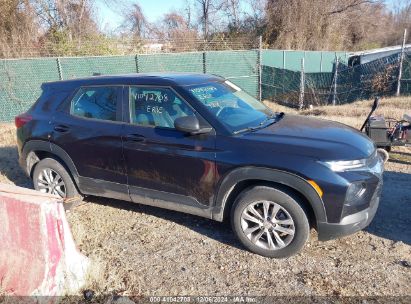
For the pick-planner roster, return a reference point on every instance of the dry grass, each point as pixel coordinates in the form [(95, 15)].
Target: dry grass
[(7, 134), (353, 114)]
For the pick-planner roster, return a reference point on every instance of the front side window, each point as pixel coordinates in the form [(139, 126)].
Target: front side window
[(157, 107), (95, 102), (230, 105)]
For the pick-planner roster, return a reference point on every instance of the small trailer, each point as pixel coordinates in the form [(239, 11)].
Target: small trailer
[(387, 132)]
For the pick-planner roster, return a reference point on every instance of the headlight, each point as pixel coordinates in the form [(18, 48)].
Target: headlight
[(346, 165), (355, 191)]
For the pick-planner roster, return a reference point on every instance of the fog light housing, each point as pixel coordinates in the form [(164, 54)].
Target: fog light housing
[(355, 192)]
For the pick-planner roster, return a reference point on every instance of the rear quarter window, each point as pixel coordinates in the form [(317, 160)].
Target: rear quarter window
[(95, 103)]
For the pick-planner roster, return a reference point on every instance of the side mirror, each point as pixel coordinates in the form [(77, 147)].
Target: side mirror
[(376, 103), (190, 124)]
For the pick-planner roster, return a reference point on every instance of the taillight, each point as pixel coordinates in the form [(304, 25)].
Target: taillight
[(22, 119)]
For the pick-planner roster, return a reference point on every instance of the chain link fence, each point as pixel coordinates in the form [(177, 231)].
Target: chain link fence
[(266, 74), (102, 46), (20, 79), (344, 84)]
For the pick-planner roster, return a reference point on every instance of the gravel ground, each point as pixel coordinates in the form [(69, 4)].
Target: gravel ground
[(150, 251), (142, 250)]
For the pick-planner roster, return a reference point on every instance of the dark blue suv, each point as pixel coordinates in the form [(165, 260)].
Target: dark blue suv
[(199, 144)]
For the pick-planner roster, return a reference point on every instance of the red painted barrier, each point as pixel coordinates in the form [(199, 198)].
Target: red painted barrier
[(38, 256)]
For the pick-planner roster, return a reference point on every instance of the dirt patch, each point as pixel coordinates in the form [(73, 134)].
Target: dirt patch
[(142, 250)]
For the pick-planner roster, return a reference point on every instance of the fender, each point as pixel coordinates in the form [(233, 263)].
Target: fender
[(270, 175), (46, 146)]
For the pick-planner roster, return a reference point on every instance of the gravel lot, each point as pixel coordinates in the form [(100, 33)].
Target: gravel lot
[(141, 250)]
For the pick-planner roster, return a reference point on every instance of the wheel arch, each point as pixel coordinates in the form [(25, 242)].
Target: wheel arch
[(36, 150), (241, 178)]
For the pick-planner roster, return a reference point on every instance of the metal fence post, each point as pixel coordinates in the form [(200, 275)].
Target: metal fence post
[(59, 69), (136, 59), (260, 70), (204, 62), (302, 85), (321, 62), (401, 63), (283, 70), (335, 81)]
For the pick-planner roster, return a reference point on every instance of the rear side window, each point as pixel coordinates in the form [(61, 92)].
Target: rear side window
[(95, 102)]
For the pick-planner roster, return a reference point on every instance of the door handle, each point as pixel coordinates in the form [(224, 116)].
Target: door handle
[(61, 128), (135, 138)]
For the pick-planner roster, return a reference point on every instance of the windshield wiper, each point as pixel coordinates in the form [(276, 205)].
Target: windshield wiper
[(274, 117), (247, 129)]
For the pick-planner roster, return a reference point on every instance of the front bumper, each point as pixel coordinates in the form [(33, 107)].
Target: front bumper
[(350, 223), (356, 214)]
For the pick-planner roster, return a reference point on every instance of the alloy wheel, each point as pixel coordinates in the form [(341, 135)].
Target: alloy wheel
[(49, 181), (268, 225)]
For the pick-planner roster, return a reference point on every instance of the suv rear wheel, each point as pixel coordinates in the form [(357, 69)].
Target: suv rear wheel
[(51, 177), (270, 222)]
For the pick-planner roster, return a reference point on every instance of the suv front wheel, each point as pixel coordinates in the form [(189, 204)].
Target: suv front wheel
[(270, 222), (49, 176)]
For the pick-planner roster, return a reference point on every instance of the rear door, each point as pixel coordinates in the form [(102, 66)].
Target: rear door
[(89, 129), (164, 164)]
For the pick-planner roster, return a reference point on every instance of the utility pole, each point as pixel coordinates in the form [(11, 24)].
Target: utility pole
[(401, 63)]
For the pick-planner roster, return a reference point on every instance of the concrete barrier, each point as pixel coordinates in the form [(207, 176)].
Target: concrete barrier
[(38, 256)]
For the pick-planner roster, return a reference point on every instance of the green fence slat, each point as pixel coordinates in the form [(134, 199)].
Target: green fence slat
[(315, 61), (240, 67), (20, 82), (273, 58), (173, 62), (293, 60), (312, 62), (75, 67)]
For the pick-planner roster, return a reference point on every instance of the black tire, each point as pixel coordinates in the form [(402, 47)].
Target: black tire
[(72, 197), (288, 202)]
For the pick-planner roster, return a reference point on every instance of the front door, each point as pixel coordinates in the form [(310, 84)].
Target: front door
[(164, 164)]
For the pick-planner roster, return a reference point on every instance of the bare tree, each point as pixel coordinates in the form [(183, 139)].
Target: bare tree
[(188, 10), (136, 22), (66, 26), (322, 25), (18, 28), (347, 5), (175, 31), (208, 8), (232, 8), (257, 8), (254, 21), (74, 17), (398, 20)]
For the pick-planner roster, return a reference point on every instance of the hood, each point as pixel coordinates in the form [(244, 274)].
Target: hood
[(316, 138)]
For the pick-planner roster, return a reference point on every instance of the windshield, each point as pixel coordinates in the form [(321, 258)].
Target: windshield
[(231, 106)]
